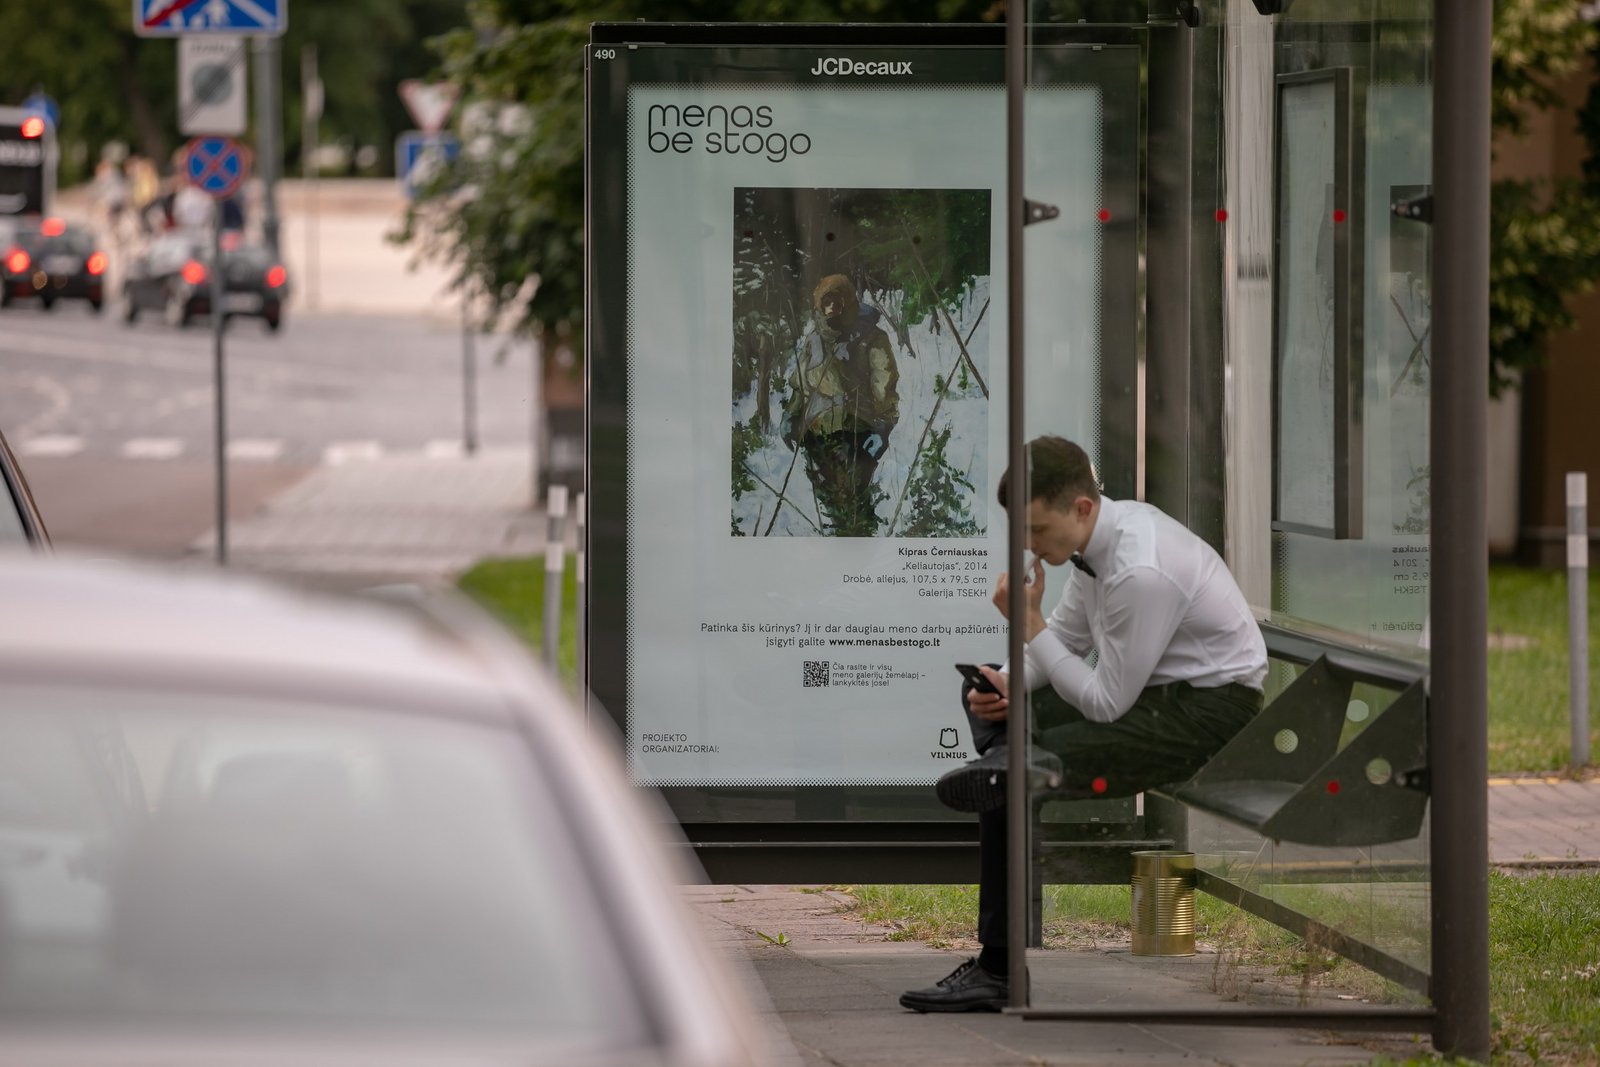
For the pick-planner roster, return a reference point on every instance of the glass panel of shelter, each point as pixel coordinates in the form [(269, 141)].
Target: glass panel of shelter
[(1277, 404)]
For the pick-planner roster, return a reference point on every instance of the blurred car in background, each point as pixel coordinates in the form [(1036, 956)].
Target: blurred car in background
[(245, 824), (49, 260), (173, 277), (19, 518)]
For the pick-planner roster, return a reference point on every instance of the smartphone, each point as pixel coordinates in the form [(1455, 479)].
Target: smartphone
[(976, 677)]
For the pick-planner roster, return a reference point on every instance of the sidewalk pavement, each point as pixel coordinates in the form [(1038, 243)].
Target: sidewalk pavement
[(832, 994), (414, 518), (1544, 822)]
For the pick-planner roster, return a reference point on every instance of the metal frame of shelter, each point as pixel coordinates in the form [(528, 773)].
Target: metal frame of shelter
[(822, 842)]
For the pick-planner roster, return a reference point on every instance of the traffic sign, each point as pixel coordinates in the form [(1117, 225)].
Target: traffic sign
[(419, 156), (216, 165), (173, 18), (45, 105), (211, 85), (429, 102)]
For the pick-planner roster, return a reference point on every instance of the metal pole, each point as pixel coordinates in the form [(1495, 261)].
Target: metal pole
[(217, 323), (469, 378), (311, 96), (269, 122), (1578, 613), (1018, 854), (555, 567), (1459, 543)]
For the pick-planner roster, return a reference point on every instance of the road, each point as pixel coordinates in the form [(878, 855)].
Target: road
[(115, 423)]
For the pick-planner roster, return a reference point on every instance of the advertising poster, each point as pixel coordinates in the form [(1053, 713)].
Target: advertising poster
[(813, 365)]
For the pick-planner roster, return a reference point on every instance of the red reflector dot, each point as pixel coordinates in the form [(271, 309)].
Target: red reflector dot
[(1333, 786), (1098, 785), (1105, 216), (1338, 215), (1222, 214)]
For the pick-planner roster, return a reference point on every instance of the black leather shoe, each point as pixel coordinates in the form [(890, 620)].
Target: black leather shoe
[(967, 988), (980, 786)]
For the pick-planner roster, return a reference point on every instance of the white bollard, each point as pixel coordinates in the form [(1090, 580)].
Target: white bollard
[(582, 521), (555, 568), (1578, 613)]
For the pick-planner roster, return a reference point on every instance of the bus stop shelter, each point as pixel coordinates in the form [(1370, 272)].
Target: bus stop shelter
[(1205, 240)]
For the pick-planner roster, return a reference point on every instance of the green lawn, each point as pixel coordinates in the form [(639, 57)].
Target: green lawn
[(1528, 718), (513, 589)]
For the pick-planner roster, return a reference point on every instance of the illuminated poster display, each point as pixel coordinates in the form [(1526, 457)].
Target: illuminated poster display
[(796, 347)]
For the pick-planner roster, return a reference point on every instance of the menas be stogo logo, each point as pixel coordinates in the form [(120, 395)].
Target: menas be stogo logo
[(721, 130)]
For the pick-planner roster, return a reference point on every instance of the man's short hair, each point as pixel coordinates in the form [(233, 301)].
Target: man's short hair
[(1060, 472)]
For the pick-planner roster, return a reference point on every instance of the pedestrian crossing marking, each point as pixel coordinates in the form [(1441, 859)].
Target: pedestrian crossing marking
[(351, 452), (51, 445), (444, 449), (255, 449), (152, 448)]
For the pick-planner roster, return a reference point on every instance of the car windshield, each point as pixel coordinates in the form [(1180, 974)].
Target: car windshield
[(167, 859), (251, 257), (72, 242), (13, 529)]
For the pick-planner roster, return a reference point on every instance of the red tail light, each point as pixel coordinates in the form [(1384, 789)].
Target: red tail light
[(276, 276), (17, 261), (32, 126), (194, 273), (97, 263), (53, 227)]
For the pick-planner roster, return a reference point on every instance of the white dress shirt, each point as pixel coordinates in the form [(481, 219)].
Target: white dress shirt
[(1161, 608)]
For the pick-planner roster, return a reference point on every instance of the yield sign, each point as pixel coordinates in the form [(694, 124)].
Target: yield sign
[(428, 102), (215, 165)]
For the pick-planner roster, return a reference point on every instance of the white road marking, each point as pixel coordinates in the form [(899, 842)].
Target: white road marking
[(255, 449), (444, 449), (57, 444), (351, 451), (152, 448)]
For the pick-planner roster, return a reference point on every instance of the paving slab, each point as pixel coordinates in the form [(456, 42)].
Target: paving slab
[(1544, 822)]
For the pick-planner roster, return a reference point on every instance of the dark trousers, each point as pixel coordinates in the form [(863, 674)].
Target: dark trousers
[(1168, 735), (841, 471)]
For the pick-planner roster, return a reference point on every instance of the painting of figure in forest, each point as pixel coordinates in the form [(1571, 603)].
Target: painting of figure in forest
[(860, 399)]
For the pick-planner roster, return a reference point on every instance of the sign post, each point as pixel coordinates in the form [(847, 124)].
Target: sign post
[(217, 166), (419, 155)]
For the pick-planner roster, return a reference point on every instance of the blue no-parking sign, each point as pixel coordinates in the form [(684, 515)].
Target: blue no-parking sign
[(173, 18), (419, 156), (44, 105), (216, 166)]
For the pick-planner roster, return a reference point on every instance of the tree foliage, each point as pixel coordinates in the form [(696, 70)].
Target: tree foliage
[(518, 233), (1544, 234), (524, 218), (114, 85)]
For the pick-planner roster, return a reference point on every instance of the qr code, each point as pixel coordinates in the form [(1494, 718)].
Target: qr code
[(816, 672)]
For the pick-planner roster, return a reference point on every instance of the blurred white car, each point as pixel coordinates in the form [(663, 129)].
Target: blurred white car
[(19, 518), (245, 824)]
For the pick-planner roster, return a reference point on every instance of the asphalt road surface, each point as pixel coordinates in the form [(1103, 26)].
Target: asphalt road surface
[(115, 423)]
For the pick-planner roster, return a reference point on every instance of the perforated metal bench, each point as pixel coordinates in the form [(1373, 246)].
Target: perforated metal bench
[(1285, 776)]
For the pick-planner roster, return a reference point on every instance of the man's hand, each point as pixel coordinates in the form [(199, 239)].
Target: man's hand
[(1033, 595), (990, 707)]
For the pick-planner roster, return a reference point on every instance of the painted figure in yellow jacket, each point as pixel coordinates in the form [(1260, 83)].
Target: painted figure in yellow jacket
[(843, 404)]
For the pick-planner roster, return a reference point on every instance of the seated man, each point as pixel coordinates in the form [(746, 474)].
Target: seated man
[(1180, 667)]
